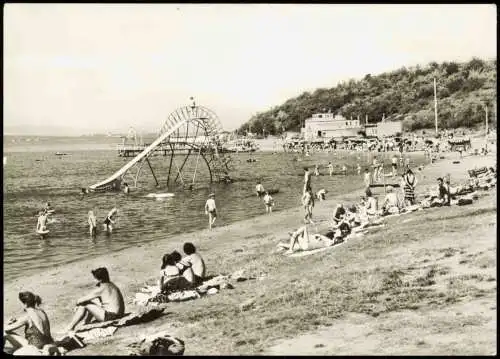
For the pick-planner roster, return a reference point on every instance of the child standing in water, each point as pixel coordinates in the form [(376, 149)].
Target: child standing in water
[(109, 221), (358, 169), (41, 226), (92, 220), (269, 202), (344, 169), (211, 210), (330, 168), (316, 170)]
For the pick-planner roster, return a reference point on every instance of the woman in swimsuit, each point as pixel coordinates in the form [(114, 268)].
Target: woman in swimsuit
[(36, 325), (301, 239), (109, 221), (175, 275), (409, 182)]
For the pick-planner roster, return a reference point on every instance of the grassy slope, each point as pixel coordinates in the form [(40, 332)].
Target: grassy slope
[(385, 277)]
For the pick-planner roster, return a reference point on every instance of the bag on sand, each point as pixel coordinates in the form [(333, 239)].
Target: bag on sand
[(164, 345), (464, 201)]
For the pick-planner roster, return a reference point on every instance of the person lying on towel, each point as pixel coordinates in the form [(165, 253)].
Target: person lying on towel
[(301, 239)]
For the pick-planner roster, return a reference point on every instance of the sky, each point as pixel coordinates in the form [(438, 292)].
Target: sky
[(84, 68)]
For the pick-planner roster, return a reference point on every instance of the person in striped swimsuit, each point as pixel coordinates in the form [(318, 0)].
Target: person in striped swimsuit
[(409, 182)]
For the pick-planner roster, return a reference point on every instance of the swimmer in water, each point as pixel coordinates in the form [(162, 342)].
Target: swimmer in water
[(109, 221), (92, 224), (41, 225), (48, 209), (126, 188), (259, 189), (83, 192), (211, 210)]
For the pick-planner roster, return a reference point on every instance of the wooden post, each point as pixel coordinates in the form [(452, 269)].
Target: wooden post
[(151, 168), (435, 107), (486, 128)]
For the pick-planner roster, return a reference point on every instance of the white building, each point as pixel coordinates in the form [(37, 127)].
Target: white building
[(322, 126)]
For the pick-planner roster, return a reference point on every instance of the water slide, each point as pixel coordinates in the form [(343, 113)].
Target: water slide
[(112, 181)]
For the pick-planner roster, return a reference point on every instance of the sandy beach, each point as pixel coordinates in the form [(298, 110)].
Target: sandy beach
[(249, 245)]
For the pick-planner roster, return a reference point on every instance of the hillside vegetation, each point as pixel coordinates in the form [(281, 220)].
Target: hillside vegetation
[(463, 89)]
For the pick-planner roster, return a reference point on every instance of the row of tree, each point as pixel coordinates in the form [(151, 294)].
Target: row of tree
[(463, 91)]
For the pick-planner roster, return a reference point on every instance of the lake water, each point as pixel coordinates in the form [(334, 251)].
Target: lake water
[(33, 175)]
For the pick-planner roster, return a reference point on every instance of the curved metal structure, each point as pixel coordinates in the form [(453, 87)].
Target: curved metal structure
[(190, 140)]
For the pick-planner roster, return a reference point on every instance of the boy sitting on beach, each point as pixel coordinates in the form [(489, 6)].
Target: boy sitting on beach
[(103, 303), (196, 261)]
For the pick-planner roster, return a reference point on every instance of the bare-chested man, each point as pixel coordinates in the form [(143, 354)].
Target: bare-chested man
[(103, 303)]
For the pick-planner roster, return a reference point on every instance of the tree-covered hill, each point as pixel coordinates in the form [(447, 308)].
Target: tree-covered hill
[(463, 89)]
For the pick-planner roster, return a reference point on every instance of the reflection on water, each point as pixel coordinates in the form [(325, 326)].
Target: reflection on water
[(28, 184)]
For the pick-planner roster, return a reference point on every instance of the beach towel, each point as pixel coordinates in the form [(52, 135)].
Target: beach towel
[(152, 295), (141, 316), (96, 333), (304, 253)]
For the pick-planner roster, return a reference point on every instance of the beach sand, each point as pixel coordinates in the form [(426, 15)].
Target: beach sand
[(131, 268)]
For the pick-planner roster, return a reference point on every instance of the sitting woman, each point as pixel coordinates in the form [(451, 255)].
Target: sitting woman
[(36, 327), (352, 216), (338, 214), (371, 204), (391, 202), (172, 278)]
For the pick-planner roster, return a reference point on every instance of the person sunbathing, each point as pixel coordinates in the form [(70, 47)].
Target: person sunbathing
[(36, 326), (301, 239), (103, 303), (391, 202)]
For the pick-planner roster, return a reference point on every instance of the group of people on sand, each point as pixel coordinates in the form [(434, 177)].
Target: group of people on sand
[(104, 302), (343, 222), (180, 273)]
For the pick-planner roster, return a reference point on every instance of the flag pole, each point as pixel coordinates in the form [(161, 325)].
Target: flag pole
[(435, 107)]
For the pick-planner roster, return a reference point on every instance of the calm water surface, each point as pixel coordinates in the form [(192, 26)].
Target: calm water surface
[(34, 175)]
